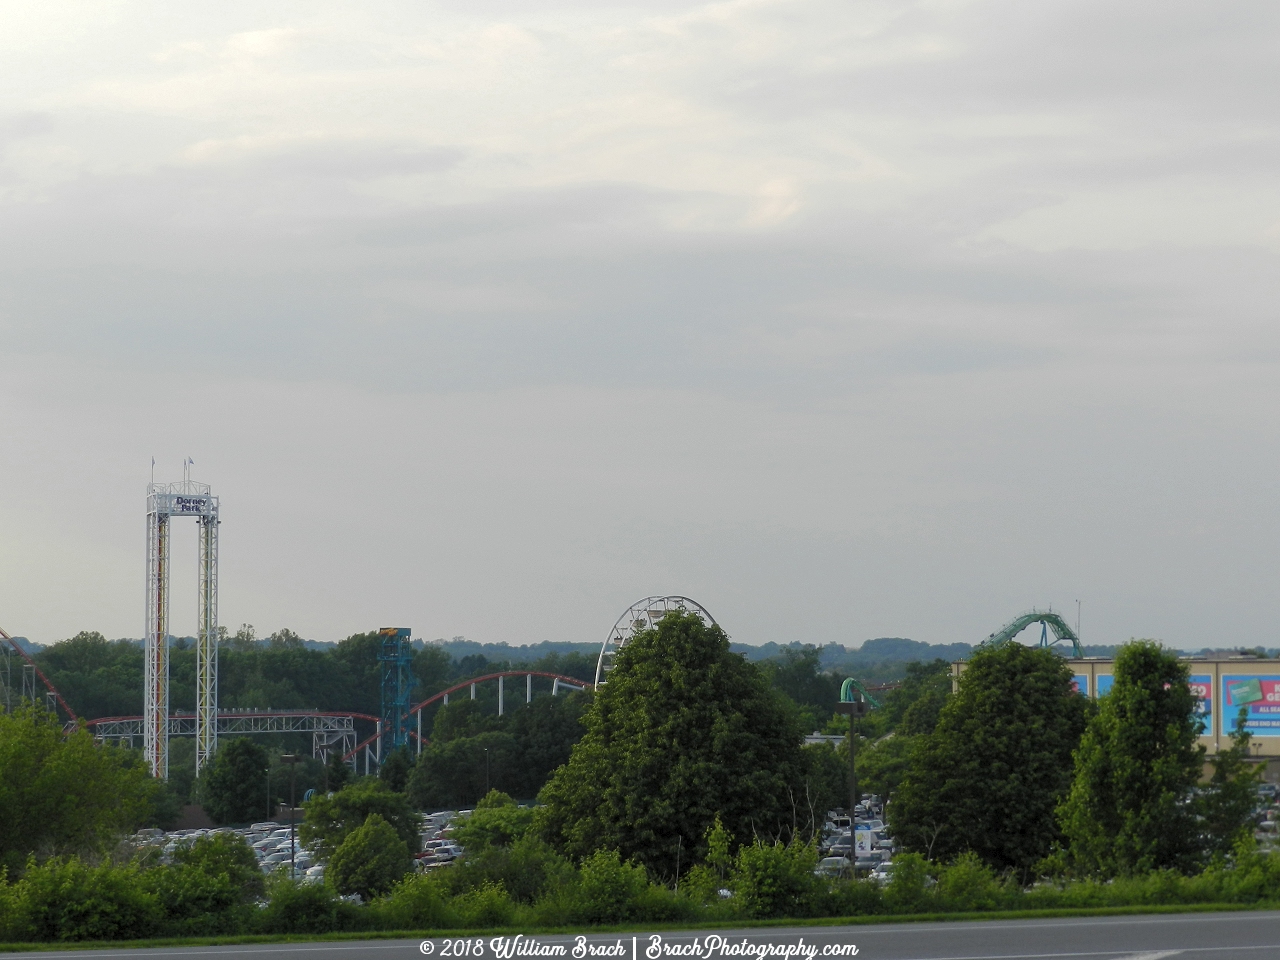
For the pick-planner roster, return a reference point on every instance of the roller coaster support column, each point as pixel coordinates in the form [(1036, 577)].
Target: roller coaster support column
[(528, 688), (501, 691)]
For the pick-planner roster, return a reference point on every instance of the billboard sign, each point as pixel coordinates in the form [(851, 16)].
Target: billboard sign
[(863, 840), (1259, 695), (178, 505), (1202, 689)]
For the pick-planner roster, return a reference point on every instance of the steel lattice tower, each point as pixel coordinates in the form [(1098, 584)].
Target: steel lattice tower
[(207, 642), (165, 501), (396, 656)]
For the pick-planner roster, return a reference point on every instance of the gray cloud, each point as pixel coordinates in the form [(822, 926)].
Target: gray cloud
[(848, 320)]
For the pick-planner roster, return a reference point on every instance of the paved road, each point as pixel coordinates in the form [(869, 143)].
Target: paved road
[(1221, 936)]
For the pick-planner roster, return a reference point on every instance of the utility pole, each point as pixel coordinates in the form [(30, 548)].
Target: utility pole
[(292, 760), (855, 709)]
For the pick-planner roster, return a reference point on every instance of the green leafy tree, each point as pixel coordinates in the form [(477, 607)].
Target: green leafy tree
[(227, 855), (607, 890), (457, 773), (67, 899), (459, 720), (209, 887), (527, 869), (434, 670), (357, 661), (777, 880), (883, 765), (98, 677), (337, 774), (395, 770), (371, 859), (65, 794), (1229, 798), (328, 820), (923, 695), (496, 822), (684, 730), (545, 732), (998, 763), (797, 672), (826, 778), (233, 790), (294, 908), (1128, 810)]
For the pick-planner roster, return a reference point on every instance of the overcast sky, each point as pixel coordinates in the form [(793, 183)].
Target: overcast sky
[(488, 318)]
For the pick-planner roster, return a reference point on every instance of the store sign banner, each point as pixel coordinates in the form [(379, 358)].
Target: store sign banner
[(1202, 690), (1259, 695)]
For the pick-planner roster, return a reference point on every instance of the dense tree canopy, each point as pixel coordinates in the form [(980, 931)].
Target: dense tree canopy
[(684, 730), (1128, 809), (329, 819), (233, 787), (1228, 800), (472, 751), (999, 761), (65, 794), (370, 859)]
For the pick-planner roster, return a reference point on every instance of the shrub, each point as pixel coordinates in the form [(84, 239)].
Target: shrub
[(853, 898), (908, 887), (418, 902), (67, 900), (526, 870), (969, 884), (702, 884), (607, 886), (486, 906), (224, 854), (12, 921), (657, 904), (777, 880), (304, 908), (195, 903), (370, 861), (496, 822)]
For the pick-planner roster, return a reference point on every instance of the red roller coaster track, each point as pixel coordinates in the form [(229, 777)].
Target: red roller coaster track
[(39, 673), (574, 681)]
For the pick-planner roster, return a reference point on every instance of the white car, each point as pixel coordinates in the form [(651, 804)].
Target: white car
[(882, 873)]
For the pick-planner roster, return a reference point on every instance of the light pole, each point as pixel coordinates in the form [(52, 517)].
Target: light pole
[(292, 760), (855, 709), (486, 771)]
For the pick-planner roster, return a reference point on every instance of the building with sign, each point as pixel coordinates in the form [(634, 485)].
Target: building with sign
[(1223, 685)]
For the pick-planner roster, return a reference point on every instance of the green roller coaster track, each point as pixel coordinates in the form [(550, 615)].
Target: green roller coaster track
[(1048, 620), (846, 693)]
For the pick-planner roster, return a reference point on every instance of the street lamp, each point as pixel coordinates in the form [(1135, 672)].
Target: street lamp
[(486, 771), (292, 760), (855, 709)]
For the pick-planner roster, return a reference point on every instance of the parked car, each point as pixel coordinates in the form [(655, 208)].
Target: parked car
[(833, 867)]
